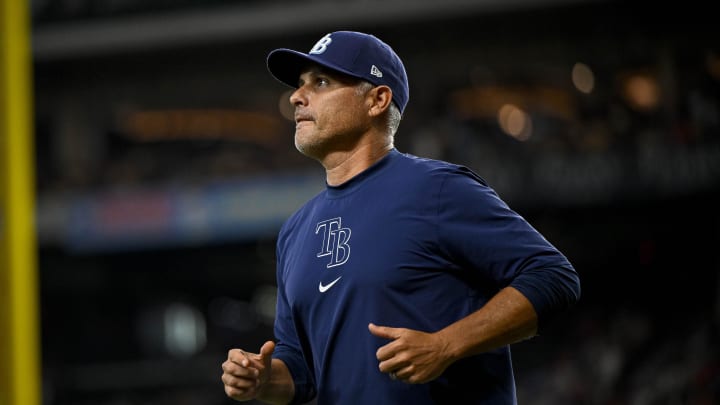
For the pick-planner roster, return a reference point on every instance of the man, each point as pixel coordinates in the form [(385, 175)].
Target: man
[(406, 279)]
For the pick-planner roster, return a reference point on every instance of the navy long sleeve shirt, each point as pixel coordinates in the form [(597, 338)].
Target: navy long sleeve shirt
[(412, 243)]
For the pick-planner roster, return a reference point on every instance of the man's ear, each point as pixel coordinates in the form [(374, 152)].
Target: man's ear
[(380, 97)]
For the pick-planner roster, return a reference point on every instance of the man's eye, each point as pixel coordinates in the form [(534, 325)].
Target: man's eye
[(321, 81)]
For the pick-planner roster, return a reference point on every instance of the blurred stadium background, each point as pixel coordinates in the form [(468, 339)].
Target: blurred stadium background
[(164, 166)]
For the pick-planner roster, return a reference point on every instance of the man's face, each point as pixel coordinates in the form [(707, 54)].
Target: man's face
[(331, 112)]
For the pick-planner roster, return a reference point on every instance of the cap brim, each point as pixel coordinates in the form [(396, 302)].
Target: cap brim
[(286, 65)]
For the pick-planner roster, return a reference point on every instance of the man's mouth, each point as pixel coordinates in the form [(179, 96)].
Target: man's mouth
[(302, 117)]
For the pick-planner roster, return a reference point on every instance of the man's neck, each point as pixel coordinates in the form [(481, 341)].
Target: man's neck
[(342, 166)]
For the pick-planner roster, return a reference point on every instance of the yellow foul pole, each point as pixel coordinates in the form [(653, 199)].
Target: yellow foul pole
[(20, 381)]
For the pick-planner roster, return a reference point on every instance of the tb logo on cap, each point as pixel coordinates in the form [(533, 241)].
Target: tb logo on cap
[(321, 45)]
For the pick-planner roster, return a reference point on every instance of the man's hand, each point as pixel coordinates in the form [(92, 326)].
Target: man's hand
[(412, 356), (244, 374)]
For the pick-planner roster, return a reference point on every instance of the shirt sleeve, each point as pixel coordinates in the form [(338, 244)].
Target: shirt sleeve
[(481, 233), (288, 348)]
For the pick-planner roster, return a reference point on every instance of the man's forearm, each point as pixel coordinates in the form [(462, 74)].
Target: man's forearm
[(507, 318), (279, 389)]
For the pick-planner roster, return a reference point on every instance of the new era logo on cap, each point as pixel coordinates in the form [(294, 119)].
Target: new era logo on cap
[(353, 53)]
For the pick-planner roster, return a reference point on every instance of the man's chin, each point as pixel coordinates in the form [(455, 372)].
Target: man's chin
[(306, 148)]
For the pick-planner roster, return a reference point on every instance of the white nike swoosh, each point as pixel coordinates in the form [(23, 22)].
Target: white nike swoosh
[(324, 288)]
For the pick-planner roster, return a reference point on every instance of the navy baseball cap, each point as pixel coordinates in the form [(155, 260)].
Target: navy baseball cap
[(356, 54)]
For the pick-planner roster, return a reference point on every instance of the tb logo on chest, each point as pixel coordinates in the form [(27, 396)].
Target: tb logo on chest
[(335, 241)]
